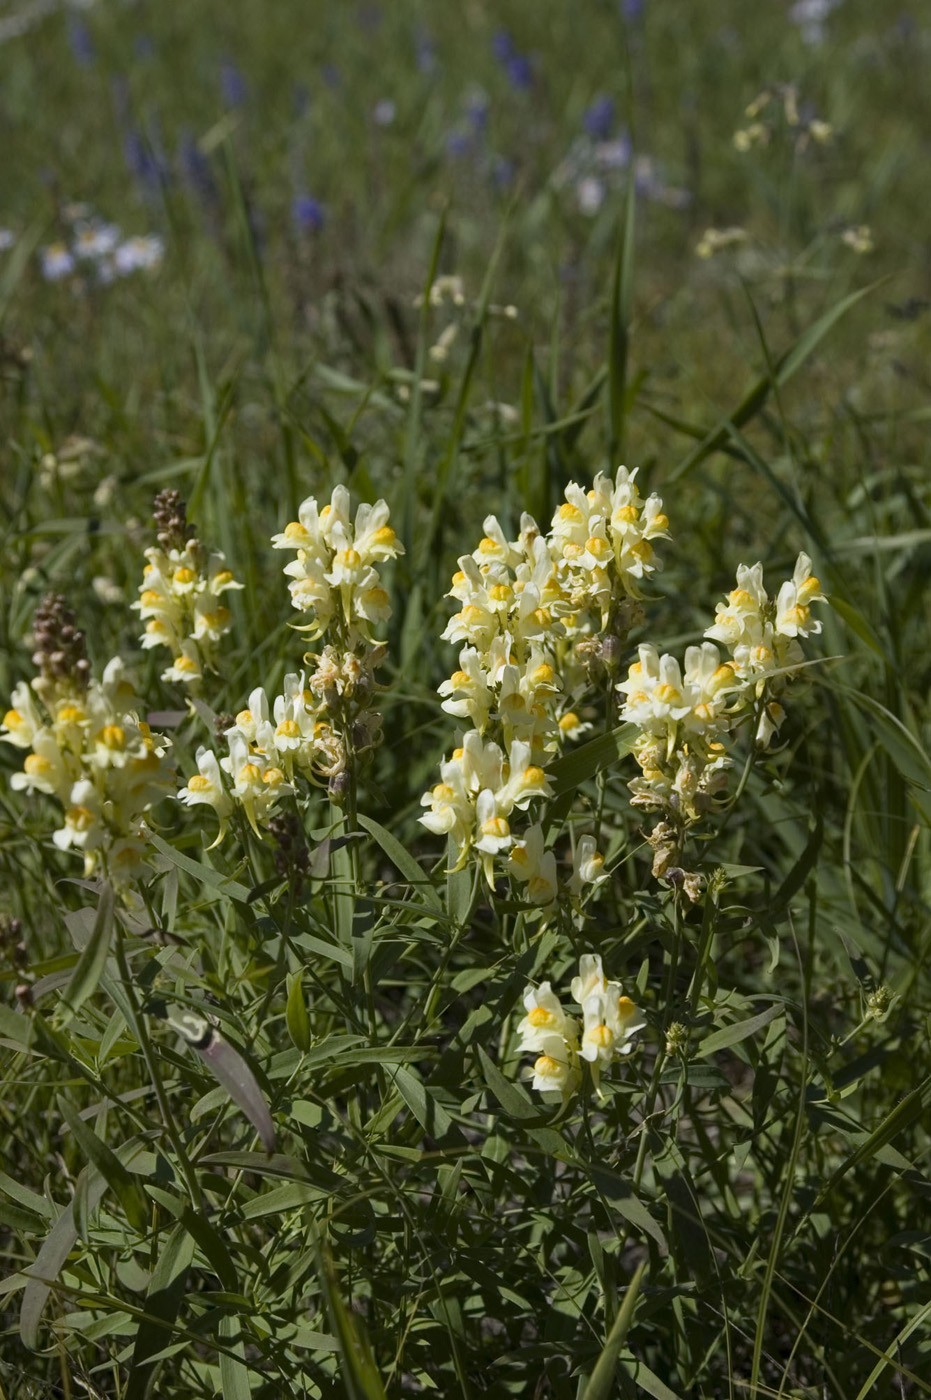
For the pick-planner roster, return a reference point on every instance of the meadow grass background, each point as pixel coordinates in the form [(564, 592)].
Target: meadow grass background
[(310, 168)]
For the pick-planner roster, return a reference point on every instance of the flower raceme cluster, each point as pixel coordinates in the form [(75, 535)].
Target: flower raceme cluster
[(685, 715), (322, 724), (88, 749), (609, 1022), (537, 618), (181, 594), (333, 576)]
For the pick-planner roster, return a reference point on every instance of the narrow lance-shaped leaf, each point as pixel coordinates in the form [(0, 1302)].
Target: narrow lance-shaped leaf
[(231, 1070), (602, 1382), (94, 956)]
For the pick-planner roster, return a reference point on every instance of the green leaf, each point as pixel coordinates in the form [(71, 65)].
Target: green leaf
[(50, 1260), (163, 1299), (202, 873), (203, 1233), (514, 1100), (646, 1380), (422, 1102), (802, 868), (619, 336), (124, 1185), (234, 1375), (784, 368), (237, 1078), (601, 1382), (357, 1364), (587, 761), (622, 1195), (93, 959), (401, 857), (296, 1016), (740, 1030)]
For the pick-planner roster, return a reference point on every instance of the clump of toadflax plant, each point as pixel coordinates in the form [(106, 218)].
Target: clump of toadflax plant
[(545, 619), (322, 727), (88, 748), (180, 595), (688, 716), (541, 617)]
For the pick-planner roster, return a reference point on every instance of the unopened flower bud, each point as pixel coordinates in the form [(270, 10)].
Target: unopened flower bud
[(612, 649), (878, 1002), (677, 1039), (339, 787)]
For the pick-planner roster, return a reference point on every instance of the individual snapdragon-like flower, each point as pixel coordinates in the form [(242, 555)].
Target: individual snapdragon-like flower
[(556, 1068), (610, 1022), (258, 782), (181, 594), (533, 866), (206, 786), (588, 870), (545, 1017)]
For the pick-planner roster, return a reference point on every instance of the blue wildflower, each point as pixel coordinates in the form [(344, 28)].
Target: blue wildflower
[(476, 110), (308, 214), (458, 143), (519, 71), (502, 46), (598, 118), (143, 161), (426, 52), (196, 168), (233, 85), (81, 42)]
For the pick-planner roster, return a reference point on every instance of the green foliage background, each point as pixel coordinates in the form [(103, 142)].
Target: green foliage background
[(424, 1224)]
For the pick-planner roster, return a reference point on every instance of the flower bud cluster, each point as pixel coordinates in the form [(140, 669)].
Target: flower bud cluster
[(609, 1022), (180, 595), (90, 751), (322, 725), (685, 716), (538, 616)]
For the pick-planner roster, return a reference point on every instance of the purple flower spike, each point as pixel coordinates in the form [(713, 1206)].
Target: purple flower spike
[(598, 118), (308, 213)]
